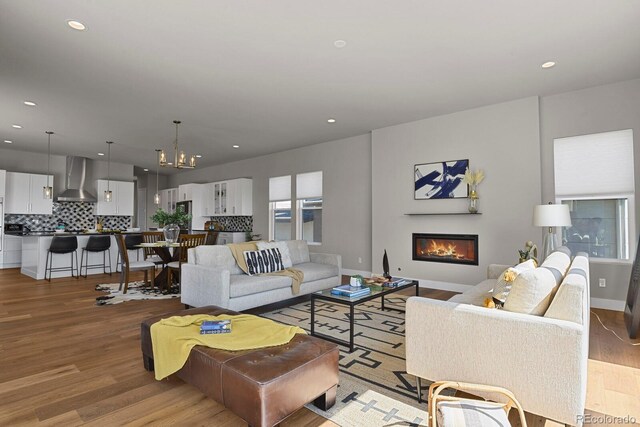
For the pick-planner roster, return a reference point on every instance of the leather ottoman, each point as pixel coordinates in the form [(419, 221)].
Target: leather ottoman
[(262, 386)]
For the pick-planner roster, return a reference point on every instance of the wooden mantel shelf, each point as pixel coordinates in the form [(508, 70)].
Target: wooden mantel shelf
[(444, 213)]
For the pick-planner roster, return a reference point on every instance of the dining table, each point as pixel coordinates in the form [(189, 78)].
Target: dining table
[(167, 252)]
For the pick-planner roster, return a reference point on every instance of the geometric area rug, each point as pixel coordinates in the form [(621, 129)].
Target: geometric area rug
[(374, 388), (136, 291)]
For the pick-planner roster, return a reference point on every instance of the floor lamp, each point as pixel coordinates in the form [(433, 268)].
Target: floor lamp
[(550, 216)]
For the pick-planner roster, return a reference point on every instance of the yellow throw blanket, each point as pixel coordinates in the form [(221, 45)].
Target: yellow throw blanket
[(172, 339), (238, 249)]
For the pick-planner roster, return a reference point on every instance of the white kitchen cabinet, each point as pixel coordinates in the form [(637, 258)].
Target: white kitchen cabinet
[(186, 191), (3, 180), (121, 203), (240, 197), (208, 205), (168, 199), (233, 197), (220, 198), (228, 237), (11, 254), (24, 194)]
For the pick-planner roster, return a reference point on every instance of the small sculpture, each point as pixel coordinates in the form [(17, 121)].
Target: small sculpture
[(385, 265), (530, 252)]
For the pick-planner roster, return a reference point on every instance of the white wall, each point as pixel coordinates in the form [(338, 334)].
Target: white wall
[(593, 110), (501, 139), (346, 216)]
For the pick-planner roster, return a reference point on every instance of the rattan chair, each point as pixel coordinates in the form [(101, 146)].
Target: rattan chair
[(186, 242), (446, 411)]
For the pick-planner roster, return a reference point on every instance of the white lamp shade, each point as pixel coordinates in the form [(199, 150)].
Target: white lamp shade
[(551, 216)]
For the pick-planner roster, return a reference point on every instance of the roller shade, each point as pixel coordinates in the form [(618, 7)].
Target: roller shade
[(309, 185), (594, 165), (280, 188)]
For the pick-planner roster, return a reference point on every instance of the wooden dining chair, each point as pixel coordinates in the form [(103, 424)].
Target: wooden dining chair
[(150, 253), (129, 266), (186, 241)]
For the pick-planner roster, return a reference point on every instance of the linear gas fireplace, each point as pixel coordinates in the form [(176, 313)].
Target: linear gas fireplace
[(449, 248)]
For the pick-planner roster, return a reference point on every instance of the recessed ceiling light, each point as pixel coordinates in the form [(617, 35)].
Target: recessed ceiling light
[(331, 120), (16, 126), (100, 154), (146, 170), (170, 163), (199, 156), (235, 146), (339, 44), (548, 64), (76, 25), (8, 142), (30, 103)]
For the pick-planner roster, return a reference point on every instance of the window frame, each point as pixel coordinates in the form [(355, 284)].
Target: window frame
[(300, 218), (631, 232), (272, 218)]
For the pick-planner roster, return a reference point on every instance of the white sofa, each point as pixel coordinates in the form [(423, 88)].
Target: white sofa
[(212, 277), (541, 359)]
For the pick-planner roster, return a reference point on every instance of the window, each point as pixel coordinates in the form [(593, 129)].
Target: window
[(280, 208), (594, 176), (309, 207)]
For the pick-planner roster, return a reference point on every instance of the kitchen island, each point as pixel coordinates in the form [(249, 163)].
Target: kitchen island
[(36, 245)]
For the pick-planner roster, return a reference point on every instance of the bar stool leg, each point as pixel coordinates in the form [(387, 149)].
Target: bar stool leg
[(78, 269), (46, 266), (109, 252)]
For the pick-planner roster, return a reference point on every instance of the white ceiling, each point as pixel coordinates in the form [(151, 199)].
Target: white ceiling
[(266, 75)]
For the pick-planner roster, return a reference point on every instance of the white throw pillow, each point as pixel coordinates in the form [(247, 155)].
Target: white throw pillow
[(282, 247), (531, 292), (263, 261), (504, 282)]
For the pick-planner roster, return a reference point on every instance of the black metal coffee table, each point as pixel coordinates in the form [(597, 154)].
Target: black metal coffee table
[(376, 292)]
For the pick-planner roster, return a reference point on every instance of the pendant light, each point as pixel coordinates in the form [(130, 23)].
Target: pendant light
[(108, 194), (47, 191), (156, 197), (179, 157)]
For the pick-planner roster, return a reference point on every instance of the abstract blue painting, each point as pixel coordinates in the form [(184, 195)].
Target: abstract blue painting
[(441, 180)]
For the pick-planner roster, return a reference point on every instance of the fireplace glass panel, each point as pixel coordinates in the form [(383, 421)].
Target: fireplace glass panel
[(447, 248)]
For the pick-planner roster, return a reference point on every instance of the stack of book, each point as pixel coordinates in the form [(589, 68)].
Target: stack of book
[(215, 327), (394, 282), (351, 291)]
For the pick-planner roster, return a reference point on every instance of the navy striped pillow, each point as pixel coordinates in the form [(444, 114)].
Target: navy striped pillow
[(263, 261)]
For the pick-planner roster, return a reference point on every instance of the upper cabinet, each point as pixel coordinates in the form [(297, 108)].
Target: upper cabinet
[(186, 191), (121, 203), (229, 198), (24, 194), (3, 179), (168, 199)]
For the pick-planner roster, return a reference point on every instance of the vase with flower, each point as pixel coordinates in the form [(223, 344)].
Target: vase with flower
[(472, 179)]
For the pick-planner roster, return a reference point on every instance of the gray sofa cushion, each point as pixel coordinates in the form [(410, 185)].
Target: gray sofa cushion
[(299, 251), (215, 256), (313, 271), (241, 284)]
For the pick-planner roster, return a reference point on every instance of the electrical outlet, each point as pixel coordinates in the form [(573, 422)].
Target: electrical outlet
[(359, 260), (602, 282)]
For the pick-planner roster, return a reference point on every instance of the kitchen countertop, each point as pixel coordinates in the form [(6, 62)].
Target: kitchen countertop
[(70, 233)]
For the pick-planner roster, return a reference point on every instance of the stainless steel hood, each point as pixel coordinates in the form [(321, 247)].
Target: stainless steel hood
[(75, 176)]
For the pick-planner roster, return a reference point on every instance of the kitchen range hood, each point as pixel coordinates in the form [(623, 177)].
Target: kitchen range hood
[(75, 177)]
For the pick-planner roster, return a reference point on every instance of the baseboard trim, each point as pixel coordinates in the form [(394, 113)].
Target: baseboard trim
[(350, 272), (607, 304), (444, 286)]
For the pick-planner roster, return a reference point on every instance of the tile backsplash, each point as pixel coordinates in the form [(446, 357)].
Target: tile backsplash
[(234, 223), (75, 216)]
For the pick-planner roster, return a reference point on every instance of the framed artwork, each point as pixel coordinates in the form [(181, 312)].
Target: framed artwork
[(440, 180)]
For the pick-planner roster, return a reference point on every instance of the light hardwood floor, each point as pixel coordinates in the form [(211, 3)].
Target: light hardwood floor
[(64, 361)]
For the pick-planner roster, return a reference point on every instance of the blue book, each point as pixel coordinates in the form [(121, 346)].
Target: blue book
[(362, 292), (350, 290), (214, 325), (214, 331)]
